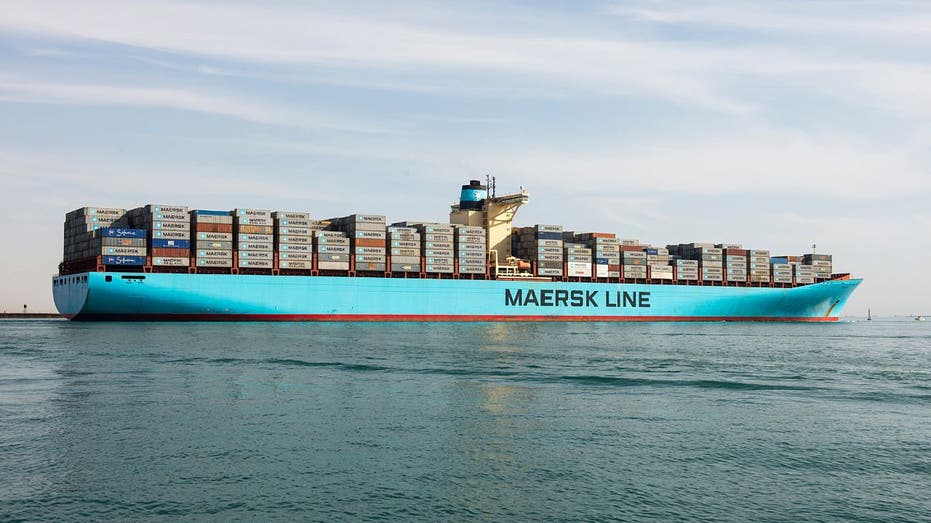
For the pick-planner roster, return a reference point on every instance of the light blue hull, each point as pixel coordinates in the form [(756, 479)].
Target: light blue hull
[(323, 298)]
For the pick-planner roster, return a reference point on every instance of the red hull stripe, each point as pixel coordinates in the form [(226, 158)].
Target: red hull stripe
[(436, 317)]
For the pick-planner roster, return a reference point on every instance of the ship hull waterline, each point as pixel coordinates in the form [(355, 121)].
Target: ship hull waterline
[(202, 297)]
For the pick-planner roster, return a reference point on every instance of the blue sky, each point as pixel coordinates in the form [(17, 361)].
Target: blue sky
[(771, 124)]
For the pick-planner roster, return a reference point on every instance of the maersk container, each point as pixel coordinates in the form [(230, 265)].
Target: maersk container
[(217, 236), (254, 246), (339, 249), (291, 215), (297, 256), (295, 231), (124, 251), (256, 255), (214, 262), (260, 238), (174, 235), (296, 222), (218, 253), (255, 264), (171, 262)]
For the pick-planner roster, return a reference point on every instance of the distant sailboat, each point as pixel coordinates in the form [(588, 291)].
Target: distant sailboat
[(869, 315)]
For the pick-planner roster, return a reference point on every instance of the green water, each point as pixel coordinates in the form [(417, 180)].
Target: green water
[(463, 422)]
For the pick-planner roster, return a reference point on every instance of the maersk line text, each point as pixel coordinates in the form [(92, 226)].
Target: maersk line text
[(576, 298)]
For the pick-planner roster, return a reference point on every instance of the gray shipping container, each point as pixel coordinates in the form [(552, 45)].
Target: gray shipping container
[(296, 256), (295, 264), (341, 249), (405, 259), (214, 262), (219, 254), (256, 255), (294, 248), (171, 262), (405, 267), (333, 265), (218, 236), (255, 246), (255, 264), (261, 238), (291, 215)]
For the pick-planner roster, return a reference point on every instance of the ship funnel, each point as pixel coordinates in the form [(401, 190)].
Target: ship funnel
[(473, 196)]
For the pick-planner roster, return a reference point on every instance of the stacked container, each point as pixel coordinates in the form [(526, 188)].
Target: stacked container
[(120, 246), (606, 253), (212, 233), (804, 273), (542, 245), (710, 259), (169, 233), (687, 270), (578, 259), (634, 262), (255, 237), (782, 273), (368, 238), (658, 263), (404, 248), (79, 228), (332, 250), (294, 240), (758, 265), (438, 247), (471, 249), (735, 263), (822, 263)]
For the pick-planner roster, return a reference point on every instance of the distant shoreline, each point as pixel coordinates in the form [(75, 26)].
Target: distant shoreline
[(28, 315)]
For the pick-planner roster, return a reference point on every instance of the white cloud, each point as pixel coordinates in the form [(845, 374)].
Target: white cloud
[(416, 53), (757, 164), (45, 92)]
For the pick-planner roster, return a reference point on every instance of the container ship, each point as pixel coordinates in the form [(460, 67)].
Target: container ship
[(169, 262)]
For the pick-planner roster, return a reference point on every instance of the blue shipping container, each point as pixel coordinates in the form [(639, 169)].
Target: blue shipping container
[(124, 260), (203, 212), (601, 261), (651, 251), (161, 243), (116, 232)]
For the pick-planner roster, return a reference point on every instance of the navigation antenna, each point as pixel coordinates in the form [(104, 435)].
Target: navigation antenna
[(490, 183)]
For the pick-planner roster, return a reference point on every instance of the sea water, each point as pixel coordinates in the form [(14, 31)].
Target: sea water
[(465, 422)]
